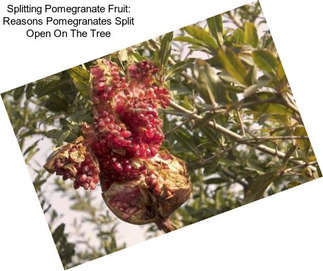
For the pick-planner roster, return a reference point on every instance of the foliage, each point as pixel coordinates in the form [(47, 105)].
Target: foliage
[(233, 120)]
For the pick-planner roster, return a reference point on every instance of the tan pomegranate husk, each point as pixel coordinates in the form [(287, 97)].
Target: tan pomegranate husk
[(76, 157), (174, 190), (63, 153)]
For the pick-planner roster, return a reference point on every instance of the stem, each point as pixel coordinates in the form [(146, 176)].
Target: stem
[(241, 123), (166, 225)]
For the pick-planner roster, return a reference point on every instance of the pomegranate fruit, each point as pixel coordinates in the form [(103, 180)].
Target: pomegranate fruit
[(151, 197), (140, 182)]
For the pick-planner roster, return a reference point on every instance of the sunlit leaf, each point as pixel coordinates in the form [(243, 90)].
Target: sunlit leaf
[(80, 78), (265, 61), (233, 65), (165, 48), (216, 27), (201, 35), (238, 35), (250, 34)]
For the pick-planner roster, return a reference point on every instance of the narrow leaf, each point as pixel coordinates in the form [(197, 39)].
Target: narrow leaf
[(80, 78), (238, 35), (17, 93), (257, 187), (165, 48), (265, 61), (215, 181), (233, 65), (203, 36), (63, 137), (189, 40), (288, 155), (216, 27), (250, 34)]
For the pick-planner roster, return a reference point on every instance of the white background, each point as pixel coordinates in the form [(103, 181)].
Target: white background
[(283, 232)]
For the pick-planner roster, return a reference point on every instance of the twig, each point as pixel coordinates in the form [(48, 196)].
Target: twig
[(299, 166), (235, 20), (238, 137), (178, 126), (241, 123), (278, 137)]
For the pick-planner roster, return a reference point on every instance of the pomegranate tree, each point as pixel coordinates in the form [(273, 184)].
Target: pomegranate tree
[(140, 182)]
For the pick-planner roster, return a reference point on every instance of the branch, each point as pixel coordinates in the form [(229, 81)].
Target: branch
[(278, 137), (238, 137), (234, 19)]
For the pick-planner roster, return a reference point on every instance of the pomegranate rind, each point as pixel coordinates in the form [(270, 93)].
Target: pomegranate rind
[(154, 203), (75, 161), (145, 210)]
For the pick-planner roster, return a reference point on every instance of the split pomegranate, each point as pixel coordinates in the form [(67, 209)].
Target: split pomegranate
[(140, 182)]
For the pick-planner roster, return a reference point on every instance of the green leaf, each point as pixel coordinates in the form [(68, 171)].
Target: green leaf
[(137, 57), (187, 104), (258, 186), (265, 61), (238, 35), (58, 232), (186, 142), (165, 48), (80, 78), (263, 118), (272, 108), (280, 71), (56, 104), (38, 184), (207, 82), (54, 133), (29, 91), (210, 167), (189, 40), (31, 147), (216, 27), (49, 86), (63, 136), (233, 65), (288, 155), (226, 77), (203, 36), (215, 181), (250, 34), (17, 93), (303, 144), (252, 75)]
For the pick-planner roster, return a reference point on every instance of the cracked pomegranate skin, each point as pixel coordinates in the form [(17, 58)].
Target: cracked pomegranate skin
[(74, 161), (152, 197)]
